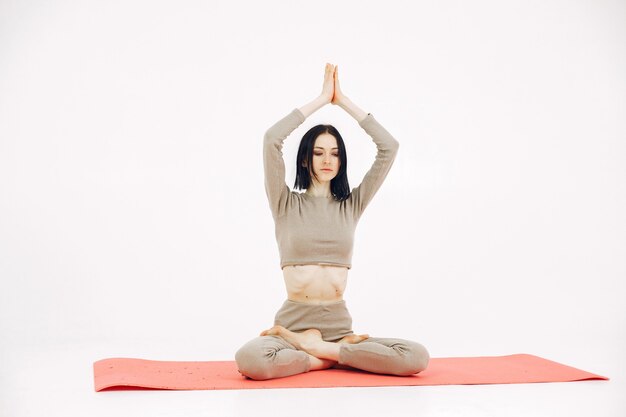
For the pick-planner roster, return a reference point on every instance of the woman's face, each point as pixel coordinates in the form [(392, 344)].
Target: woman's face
[(325, 157)]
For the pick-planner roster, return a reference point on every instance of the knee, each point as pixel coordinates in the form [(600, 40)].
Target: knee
[(252, 363), (416, 359), (420, 357)]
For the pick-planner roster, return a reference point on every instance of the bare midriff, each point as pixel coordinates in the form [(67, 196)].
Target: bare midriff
[(315, 284)]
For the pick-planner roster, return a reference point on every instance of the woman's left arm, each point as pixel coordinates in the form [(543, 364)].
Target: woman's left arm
[(344, 102), (386, 144)]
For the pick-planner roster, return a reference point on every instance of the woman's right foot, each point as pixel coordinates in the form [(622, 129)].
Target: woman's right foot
[(302, 341)]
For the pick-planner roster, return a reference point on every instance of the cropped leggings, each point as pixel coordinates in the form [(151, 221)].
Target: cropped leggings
[(267, 357)]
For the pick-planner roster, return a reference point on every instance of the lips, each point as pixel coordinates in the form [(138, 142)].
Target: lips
[(326, 169)]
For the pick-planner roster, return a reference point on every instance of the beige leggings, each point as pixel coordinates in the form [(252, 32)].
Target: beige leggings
[(267, 357)]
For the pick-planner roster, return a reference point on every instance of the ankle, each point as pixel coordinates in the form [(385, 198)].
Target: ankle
[(318, 364)]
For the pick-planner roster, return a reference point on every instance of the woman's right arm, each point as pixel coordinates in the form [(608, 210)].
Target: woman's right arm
[(273, 163)]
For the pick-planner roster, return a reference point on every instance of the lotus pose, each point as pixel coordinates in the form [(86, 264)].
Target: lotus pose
[(315, 233)]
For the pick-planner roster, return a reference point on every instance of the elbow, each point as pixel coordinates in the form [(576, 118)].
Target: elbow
[(272, 134), (272, 140), (394, 145), (269, 141), (389, 149)]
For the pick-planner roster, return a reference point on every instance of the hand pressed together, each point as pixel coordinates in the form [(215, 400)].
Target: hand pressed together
[(330, 89)]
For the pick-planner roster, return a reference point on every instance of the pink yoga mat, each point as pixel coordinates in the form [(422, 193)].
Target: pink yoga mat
[(122, 373)]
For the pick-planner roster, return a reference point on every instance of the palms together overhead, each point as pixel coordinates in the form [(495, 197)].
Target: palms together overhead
[(331, 90)]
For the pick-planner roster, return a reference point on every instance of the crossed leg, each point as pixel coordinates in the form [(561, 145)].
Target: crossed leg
[(280, 352)]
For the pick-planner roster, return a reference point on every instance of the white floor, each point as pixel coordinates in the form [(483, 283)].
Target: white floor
[(58, 381)]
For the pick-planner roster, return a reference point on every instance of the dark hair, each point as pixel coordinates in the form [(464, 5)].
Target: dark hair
[(339, 187)]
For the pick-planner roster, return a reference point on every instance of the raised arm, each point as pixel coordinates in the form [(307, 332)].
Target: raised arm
[(273, 163), (387, 149)]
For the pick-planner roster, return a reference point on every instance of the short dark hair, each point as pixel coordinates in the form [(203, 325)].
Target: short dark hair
[(339, 187)]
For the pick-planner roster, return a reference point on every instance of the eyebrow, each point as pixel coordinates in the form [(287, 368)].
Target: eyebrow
[(319, 147)]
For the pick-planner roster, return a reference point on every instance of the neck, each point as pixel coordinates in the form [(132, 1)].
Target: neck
[(319, 189)]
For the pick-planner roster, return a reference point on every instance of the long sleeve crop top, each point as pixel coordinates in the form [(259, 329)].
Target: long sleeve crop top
[(319, 230)]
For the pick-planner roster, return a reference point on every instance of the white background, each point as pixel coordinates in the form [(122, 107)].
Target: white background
[(134, 222)]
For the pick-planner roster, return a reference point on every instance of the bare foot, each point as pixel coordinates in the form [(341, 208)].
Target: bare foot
[(317, 364), (354, 338), (274, 331), (302, 340)]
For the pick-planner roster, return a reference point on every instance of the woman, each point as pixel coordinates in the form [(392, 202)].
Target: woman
[(314, 231)]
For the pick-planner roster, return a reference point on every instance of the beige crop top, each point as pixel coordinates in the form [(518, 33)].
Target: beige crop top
[(319, 230)]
